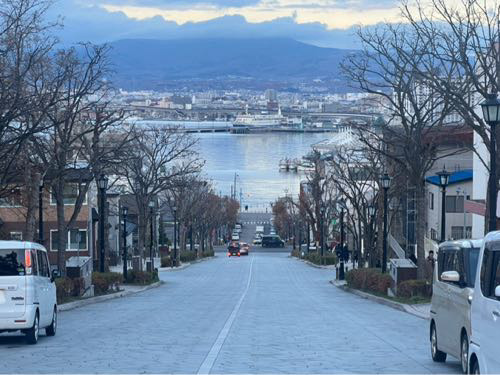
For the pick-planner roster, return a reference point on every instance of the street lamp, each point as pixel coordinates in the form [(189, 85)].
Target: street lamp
[(151, 214), (102, 184), (444, 178), (340, 207), (491, 114), (386, 183), (40, 212), (322, 232), (124, 216), (174, 263)]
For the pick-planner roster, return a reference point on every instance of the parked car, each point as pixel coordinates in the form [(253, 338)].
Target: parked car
[(272, 241), (233, 249), (484, 351), (244, 248), (27, 290), (257, 240), (452, 288)]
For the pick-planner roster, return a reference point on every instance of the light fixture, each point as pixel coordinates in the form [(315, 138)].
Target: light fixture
[(386, 181), (444, 177), (491, 109), (102, 182)]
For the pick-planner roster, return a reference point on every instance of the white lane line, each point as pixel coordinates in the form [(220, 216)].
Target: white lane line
[(209, 361)]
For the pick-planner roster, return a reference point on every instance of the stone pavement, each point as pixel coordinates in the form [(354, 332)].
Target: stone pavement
[(265, 313)]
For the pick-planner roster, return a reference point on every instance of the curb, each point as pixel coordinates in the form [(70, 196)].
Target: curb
[(89, 301), (383, 301), (184, 265)]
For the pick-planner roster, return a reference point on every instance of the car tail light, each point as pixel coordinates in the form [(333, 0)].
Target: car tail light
[(238, 254), (228, 254), (27, 259)]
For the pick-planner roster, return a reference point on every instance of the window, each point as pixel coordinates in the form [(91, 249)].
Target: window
[(70, 195), (34, 265), (454, 203), (12, 198), (490, 272), (12, 262), (16, 236), (77, 240), (434, 234), (457, 233), (43, 265), (431, 201)]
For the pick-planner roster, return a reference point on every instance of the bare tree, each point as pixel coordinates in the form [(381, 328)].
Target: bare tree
[(158, 158), (409, 139)]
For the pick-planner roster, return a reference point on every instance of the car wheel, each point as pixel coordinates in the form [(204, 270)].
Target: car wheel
[(32, 333), (51, 330), (464, 353), (475, 368), (437, 355)]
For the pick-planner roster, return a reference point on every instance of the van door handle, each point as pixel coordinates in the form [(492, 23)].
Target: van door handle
[(496, 313)]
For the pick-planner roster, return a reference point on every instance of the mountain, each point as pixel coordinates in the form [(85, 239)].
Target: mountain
[(149, 60)]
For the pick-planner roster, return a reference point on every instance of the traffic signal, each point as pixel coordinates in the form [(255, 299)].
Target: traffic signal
[(246, 207)]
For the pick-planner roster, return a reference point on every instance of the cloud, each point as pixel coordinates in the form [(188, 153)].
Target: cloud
[(170, 4), (95, 24)]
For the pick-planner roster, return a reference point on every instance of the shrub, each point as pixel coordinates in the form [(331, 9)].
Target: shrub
[(414, 288), (328, 259), (67, 288), (166, 261), (105, 282), (368, 279), (188, 256), (295, 253), (208, 253), (142, 277)]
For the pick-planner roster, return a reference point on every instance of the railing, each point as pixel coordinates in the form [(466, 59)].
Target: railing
[(396, 247)]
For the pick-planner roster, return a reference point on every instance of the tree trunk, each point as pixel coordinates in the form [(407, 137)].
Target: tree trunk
[(420, 228), (142, 228), (62, 228), (31, 181)]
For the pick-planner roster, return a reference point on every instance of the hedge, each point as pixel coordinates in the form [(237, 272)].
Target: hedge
[(166, 261), (414, 288), (188, 256), (142, 277), (368, 279), (314, 257), (67, 288), (208, 253), (105, 282)]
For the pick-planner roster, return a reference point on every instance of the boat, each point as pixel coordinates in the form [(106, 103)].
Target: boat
[(294, 165), (284, 165), (260, 121), (306, 166)]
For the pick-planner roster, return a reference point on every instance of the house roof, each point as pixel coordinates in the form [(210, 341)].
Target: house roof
[(455, 177)]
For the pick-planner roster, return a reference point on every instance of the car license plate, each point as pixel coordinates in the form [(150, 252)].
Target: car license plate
[(2, 296)]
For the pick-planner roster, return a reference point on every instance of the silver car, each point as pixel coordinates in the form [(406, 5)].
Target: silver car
[(452, 288)]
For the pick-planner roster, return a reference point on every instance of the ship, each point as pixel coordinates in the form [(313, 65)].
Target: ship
[(261, 121)]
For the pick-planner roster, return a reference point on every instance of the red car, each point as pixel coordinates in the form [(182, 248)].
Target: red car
[(233, 249)]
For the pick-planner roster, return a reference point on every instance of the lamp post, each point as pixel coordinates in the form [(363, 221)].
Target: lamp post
[(174, 263), (308, 237), (124, 216), (444, 177), (491, 114), (102, 184), (386, 183), (322, 233), (151, 214), (340, 207), (40, 212)]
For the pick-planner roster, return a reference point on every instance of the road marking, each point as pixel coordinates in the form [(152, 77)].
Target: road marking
[(209, 361)]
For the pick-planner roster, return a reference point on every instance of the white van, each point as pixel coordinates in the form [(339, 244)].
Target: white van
[(27, 290), (484, 351), (452, 289)]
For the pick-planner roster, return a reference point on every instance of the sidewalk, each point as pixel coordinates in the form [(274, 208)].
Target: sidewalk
[(126, 290), (157, 263), (419, 310), (348, 265)]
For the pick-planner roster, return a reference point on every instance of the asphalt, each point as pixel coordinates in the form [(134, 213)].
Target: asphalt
[(261, 314)]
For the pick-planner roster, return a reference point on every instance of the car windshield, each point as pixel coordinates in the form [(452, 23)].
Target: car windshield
[(12, 262)]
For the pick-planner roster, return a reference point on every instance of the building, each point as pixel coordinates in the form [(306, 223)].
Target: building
[(458, 220)]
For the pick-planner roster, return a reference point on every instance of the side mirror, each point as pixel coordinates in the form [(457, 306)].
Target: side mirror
[(450, 276), (55, 274), (497, 291)]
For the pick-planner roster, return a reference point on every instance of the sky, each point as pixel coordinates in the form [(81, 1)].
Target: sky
[(330, 23)]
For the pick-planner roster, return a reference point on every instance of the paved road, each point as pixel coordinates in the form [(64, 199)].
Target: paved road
[(265, 313)]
